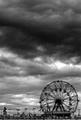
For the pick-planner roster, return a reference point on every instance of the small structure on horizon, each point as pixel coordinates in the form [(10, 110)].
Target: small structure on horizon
[(4, 111)]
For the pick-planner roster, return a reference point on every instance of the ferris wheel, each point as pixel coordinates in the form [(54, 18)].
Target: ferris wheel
[(59, 97)]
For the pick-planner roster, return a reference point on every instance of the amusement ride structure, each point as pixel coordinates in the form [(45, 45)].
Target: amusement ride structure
[(59, 99)]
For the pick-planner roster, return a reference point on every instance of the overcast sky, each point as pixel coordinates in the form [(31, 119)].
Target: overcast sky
[(40, 41)]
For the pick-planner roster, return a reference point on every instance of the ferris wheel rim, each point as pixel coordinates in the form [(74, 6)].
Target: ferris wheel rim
[(65, 83)]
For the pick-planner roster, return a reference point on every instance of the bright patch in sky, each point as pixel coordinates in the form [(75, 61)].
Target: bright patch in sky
[(58, 65)]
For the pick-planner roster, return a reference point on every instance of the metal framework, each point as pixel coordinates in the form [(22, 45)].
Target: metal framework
[(59, 98)]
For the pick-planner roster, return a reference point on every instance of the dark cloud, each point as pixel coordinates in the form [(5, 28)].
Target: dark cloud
[(53, 25), (62, 44)]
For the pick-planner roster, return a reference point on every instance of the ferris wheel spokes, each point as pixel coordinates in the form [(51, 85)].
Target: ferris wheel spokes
[(59, 96)]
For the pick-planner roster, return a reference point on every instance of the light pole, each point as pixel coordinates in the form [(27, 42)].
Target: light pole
[(4, 112), (26, 110), (78, 112)]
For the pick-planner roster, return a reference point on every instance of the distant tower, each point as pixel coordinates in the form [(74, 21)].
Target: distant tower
[(25, 110), (78, 112), (4, 111), (18, 111)]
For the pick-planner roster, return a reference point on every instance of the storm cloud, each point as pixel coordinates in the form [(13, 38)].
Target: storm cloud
[(52, 25)]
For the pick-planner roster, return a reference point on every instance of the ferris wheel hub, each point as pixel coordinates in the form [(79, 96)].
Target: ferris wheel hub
[(58, 101)]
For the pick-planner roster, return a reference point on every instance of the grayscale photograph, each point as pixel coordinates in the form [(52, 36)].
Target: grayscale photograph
[(40, 59)]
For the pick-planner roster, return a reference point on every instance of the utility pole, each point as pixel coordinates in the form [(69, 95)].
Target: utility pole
[(4, 112), (25, 110), (78, 112)]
